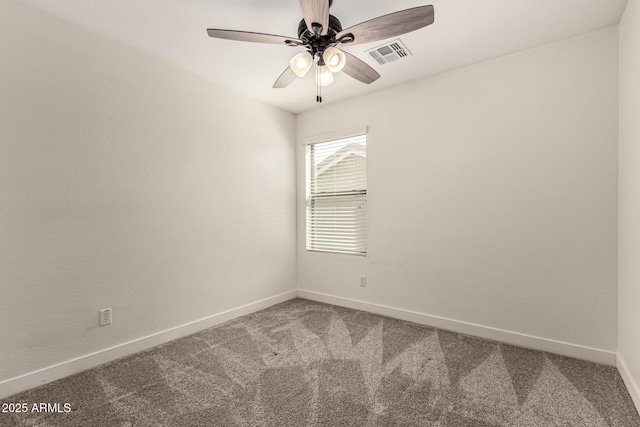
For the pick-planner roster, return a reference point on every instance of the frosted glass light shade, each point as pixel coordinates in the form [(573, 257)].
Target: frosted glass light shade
[(301, 63), (335, 59), (324, 76)]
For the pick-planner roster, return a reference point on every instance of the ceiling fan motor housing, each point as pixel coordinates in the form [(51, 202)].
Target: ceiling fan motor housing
[(335, 26)]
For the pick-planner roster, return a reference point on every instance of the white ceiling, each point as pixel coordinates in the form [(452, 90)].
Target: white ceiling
[(464, 32)]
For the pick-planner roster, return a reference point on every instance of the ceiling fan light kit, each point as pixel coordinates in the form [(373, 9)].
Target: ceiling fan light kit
[(325, 76), (335, 59), (321, 33), (301, 63)]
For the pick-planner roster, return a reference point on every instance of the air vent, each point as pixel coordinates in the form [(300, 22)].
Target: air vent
[(389, 52)]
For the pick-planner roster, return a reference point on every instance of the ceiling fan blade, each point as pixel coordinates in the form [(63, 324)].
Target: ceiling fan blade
[(286, 78), (246, 36), (359, 70), (316, 11), (390, 25)]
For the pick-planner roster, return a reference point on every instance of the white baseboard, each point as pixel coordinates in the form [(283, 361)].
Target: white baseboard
[(632, 386), (46, 375), (43, 376), (509, 337)]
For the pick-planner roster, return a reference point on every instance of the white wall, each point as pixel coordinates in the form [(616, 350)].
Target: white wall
[(128, 183), (492, 194), (629, 199)]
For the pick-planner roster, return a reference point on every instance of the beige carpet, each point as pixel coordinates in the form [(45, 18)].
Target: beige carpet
[(302, 363)]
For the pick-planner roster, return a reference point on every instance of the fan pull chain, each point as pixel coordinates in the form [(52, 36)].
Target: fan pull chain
[(319, 91)]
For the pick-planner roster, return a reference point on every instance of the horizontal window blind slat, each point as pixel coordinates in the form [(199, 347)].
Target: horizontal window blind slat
[(337, 246), (318, 219), (337, 238), (337, 232)]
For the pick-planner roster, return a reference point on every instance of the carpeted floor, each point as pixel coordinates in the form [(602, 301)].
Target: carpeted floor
[(303, 363)]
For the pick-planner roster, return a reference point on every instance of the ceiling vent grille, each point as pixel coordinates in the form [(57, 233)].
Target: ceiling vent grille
[(389, 52)]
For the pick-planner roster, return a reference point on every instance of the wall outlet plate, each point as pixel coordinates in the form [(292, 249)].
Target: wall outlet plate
[(105, 317)]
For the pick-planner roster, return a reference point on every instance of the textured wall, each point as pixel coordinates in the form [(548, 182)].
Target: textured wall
[(629, 215), (492, 194), (128, 183)]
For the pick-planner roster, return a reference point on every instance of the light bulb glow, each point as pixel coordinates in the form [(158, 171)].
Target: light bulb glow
[(324, 76), (335, 59), (301, 63)]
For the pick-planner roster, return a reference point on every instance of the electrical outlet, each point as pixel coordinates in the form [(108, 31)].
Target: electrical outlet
[(105, 317), (363, 281)]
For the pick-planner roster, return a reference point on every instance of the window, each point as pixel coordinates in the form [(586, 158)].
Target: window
[(336, 195)]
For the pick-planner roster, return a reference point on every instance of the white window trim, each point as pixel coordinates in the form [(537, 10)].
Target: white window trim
[(339, 134), (327, 137)]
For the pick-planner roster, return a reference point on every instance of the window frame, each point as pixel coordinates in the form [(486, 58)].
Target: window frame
[(359, 196)]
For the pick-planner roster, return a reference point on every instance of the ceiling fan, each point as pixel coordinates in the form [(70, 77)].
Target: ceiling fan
[(320, 33)]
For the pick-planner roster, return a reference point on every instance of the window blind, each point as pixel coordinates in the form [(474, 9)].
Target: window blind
[(336, 196)]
